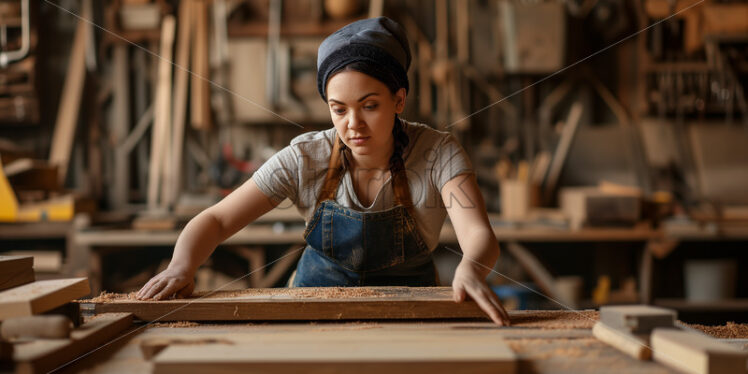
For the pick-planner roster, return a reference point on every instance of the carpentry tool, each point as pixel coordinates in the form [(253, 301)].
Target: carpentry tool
[(40, 327), (56, 209)]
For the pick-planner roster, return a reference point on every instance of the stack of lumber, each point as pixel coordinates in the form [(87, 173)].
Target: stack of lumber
[(38, 322), (646, 332)]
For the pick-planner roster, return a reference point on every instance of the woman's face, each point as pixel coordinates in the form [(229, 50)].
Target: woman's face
[(363, 111)]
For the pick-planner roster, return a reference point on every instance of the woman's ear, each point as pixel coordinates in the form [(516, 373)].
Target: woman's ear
[(400, 96)]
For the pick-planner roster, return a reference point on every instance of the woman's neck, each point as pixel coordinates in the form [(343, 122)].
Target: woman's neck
[(379, 160)]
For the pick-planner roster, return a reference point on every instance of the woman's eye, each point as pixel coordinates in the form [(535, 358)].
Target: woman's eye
[(370, 107), (338, 111)]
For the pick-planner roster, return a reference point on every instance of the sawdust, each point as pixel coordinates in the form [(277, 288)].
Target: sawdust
[(177, 324), (105, 297), (289, 293), (731, 330), (555, 319)]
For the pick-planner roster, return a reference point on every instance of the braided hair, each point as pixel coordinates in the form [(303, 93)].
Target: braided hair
[(389, 78)]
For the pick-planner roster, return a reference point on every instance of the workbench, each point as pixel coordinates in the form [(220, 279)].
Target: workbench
[(543, 341), (286, 228)]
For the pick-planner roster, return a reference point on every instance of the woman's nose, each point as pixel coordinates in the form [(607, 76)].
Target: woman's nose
[(354, 120)]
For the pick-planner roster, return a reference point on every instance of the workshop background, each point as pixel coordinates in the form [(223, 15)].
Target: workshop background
[(609, 138)]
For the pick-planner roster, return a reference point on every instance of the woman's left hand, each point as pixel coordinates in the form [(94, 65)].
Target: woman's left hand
[(469, 280)]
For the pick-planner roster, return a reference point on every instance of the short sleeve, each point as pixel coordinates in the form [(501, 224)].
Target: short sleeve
[(451, 160), (278, 177)]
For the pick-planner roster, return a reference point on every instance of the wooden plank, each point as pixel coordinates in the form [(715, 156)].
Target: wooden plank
[(119, 195), (563, 146), (341, 351), (332, 303), (162, 115), (45, 355), (40, 296), (15, 271), (696, 353), (179, 115), (67, 114), (637, 318), (200, 88), (626, 342)]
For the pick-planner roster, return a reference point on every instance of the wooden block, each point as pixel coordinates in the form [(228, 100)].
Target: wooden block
[(154, 223), (44, 261), (70, 310), (42, 356), (38, 327), (593, 207), (696, 353), (626, 342), (363, 351), (40, 296), (638, 319), (15, 271), (331, 303)]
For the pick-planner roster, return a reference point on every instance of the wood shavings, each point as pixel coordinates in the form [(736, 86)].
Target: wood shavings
[(105, 296), (289, 293), (555, 319), (174, 324), (731, 330)]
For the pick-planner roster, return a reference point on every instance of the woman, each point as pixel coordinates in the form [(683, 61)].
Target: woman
[(375, 189)]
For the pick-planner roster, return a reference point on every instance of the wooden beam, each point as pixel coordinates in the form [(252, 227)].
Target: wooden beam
[(120, 188), (40, 296), (696, 353), (45, 355), (67, 112), (162, 115), (637, 318), (200, 88), (179, 115), (562, 149), (626, 342), (332, 303), (376, 351), (16, 271)]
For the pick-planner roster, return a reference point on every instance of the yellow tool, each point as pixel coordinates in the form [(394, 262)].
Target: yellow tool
[(56, 209)]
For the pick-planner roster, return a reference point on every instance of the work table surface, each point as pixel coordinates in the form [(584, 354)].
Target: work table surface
[(543, 341)]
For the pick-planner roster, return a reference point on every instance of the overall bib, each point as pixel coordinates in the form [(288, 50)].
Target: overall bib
[(348, 248)]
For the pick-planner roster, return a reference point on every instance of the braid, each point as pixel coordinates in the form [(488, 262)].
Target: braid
[(401, 142)]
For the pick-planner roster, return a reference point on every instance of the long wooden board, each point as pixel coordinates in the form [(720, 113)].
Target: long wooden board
[(332, 303), (40, 296), (344, 351), (696, 353), (45, 355), (16, 271)]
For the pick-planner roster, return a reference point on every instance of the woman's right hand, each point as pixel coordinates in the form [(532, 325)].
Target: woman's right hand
[(168, 283)]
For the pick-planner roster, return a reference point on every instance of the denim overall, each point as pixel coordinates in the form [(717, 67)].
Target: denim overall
[(351, 248)]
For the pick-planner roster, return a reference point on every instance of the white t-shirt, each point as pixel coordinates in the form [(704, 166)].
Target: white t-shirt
[(432, 158)]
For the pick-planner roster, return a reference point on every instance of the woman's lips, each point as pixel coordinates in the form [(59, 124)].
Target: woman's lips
[(359, 140)]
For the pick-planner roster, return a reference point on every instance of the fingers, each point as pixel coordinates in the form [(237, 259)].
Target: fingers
[(488, 302), (186, 291), (169, 289), (458, 292)]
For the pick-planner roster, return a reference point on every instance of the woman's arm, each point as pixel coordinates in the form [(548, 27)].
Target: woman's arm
[(202, 235), (480, 248)]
